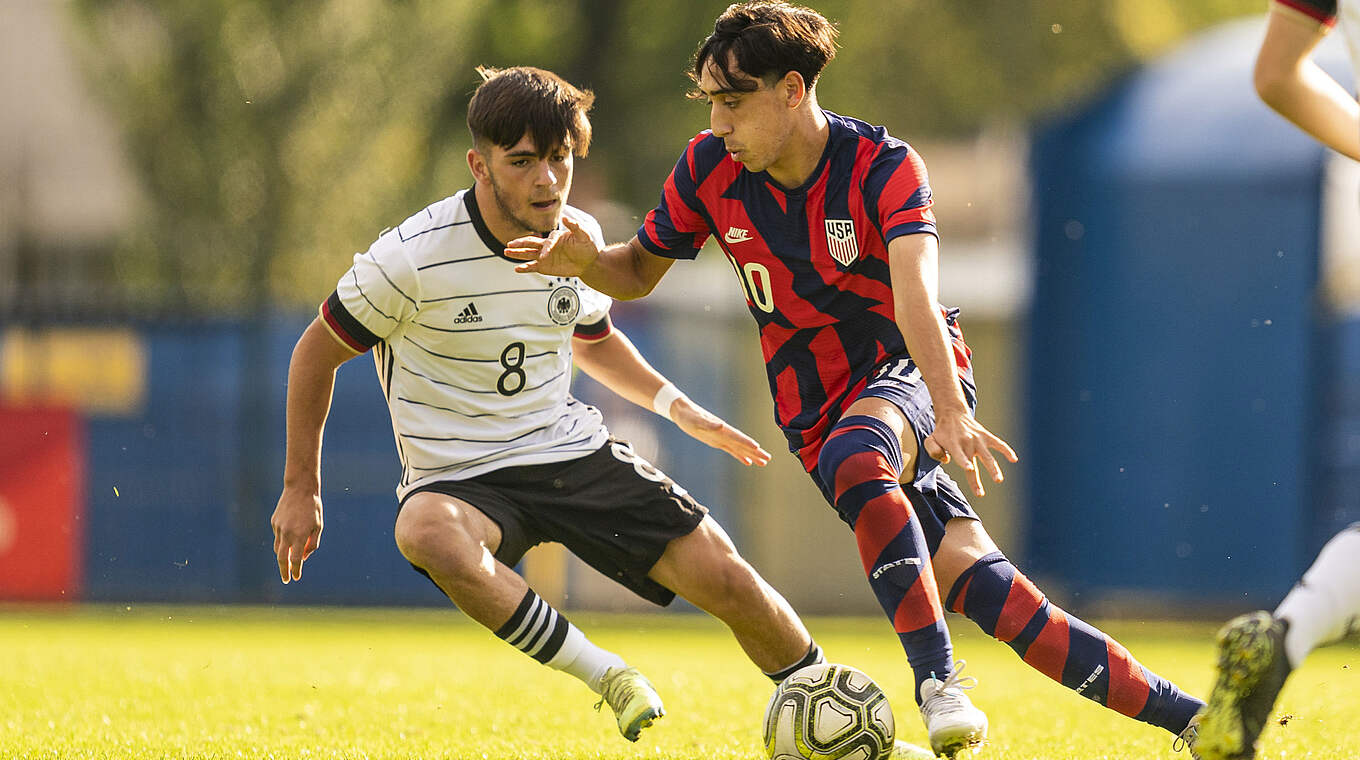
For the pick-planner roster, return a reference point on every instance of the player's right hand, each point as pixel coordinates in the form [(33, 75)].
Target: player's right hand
[(563, 253), (961, 439), (297, 531)]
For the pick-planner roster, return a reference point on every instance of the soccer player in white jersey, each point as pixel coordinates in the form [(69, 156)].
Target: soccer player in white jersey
[(497, 456), (1257, 651)]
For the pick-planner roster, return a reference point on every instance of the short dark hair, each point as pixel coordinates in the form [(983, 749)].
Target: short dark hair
[(513, 102), (766, 39)]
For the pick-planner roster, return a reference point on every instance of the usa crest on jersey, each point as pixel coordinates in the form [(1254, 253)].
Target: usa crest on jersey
[(840, 240)]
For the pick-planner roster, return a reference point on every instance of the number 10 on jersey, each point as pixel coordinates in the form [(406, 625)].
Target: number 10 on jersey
[(755, 282)]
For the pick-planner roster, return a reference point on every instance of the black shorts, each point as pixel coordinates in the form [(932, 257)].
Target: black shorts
[(611, 508)]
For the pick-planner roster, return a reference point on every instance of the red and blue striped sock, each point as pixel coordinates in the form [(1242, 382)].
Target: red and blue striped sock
[(1008, 606), (859, 464)]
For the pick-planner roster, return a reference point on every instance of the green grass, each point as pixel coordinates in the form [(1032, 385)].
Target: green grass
[(230, 682)]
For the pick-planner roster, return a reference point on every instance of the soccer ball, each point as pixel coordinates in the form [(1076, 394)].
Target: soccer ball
[(828, 712)]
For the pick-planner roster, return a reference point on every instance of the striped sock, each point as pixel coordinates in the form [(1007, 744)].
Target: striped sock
[(860, 463), (540, 631), (1007, 605)]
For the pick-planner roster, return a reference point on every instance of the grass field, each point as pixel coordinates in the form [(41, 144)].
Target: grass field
[(231, 682)]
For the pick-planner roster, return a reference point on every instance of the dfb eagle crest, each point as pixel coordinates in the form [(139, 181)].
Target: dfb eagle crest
[(564, 304)]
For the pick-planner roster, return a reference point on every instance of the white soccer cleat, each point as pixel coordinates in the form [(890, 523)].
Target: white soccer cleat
[(631, 696), (952, 721)]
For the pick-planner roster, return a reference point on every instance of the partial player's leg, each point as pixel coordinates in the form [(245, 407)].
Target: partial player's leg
[(454, 544), (705, 568), (988, 589), (628, 520), (859, 468), (1325, 605), (1256, 652)]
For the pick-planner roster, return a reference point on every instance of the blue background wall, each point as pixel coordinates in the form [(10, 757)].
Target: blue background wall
[(1177, 380), (190, 518), (176, 514)]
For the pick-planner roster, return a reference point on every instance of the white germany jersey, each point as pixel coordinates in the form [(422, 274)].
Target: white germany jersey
[(473, 357)]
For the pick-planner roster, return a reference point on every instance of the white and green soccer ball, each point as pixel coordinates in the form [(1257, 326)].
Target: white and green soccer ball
[(828, 712)]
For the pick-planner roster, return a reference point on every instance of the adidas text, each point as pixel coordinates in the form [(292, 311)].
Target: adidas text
[(467, 315)]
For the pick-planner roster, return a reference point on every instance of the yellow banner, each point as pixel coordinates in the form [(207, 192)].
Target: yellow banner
[(93, 369)]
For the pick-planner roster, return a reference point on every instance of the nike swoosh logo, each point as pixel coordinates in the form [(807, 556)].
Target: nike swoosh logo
[(737, 235)]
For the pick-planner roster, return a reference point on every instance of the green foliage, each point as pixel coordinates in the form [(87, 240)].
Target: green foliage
[(190, 682), (275, 139)]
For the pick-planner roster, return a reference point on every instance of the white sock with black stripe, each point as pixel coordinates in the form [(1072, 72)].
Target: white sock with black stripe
[(540, 631)]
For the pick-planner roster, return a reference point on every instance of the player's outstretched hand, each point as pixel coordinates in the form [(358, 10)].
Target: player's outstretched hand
[(564, 253), (707, 427), (962, 439), (297, 531)]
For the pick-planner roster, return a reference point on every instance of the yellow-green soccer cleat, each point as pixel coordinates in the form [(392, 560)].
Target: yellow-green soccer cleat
[(634, 702), (1252, 667)]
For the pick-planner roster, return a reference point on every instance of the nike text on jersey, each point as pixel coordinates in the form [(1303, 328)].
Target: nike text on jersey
[(737, 235)]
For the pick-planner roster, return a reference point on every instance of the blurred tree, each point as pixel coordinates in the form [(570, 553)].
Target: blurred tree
[(276, 138)]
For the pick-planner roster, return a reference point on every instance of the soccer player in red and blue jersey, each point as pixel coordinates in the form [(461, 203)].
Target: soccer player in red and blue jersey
[(827, 223)]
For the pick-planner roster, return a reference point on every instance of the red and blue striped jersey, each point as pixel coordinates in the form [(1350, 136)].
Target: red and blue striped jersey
[(812, 260), (1323, 11)]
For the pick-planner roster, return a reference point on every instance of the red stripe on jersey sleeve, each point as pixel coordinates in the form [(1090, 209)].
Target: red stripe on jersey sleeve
[(334, 322), (897, 205), (1322, 12), (594, 332), (674, 225)]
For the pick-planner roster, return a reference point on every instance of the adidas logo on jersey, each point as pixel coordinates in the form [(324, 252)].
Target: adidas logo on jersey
[(468, 314)]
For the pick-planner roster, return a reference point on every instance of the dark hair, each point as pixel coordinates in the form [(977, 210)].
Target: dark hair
[(510, 103), (766, 39)]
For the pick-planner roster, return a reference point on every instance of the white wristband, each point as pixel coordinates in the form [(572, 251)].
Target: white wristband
[(664, 398)]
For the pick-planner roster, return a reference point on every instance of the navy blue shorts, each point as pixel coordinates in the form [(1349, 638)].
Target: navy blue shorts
[(934, 496)]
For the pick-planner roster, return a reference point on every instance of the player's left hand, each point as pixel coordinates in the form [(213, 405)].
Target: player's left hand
[(962, 439), (564, 252), (707, 427)]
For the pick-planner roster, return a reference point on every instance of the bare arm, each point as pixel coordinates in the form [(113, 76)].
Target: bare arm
[(297, 519), (624, 270), (616, 364), (1289, 81), (912, 261)]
